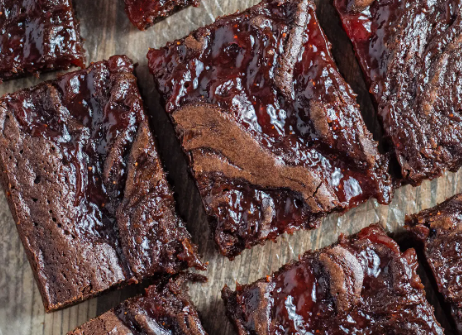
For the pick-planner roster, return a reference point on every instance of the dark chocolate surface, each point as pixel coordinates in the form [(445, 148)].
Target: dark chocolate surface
[(274, 137), (361, 285), (85, 185), (37, 36), (164, 309), (440, 231), (144, 13), (410, 54)]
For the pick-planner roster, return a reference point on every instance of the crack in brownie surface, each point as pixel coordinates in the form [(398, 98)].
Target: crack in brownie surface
[(440, 231), (164, 309), (274, 137), (144, 13), (361, 285), (36, 36), (410, 54), (85, 184)]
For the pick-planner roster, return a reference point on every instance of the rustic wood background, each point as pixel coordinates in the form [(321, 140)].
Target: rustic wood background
[(107, 31)]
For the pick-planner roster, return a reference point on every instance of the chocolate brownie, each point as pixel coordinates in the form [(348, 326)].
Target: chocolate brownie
[(37, 36), (361, 285), (144, 13), (439, 229), (410, 54), (165, 309), (85, 185), (274, 137)]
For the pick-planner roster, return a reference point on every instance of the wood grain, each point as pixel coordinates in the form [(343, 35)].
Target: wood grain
[(107, 31)]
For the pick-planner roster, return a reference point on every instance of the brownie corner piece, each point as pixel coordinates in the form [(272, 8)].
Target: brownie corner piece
[(144, 13), (410, 55), (165, 308), (272, 132), (439, 230), (38, 36), (363, 284), (85, 184)]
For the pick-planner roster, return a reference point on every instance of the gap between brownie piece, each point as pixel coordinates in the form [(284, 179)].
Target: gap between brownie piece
[(38, 36), (409, 52), (145, 13), (363, 284), (86, 187), (272, 132)]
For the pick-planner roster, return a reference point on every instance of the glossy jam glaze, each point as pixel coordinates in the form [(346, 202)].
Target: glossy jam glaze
[(305, 118), (85, 184), (36, 36), (362, 285), (144, 13), (408, 51), (439, 229)]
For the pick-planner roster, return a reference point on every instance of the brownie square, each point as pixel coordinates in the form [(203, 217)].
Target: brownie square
[(85, 185), (38, 36), (144, 13), (164, 309), (272, 132), (361, 285), (410, 54), (439, 230)]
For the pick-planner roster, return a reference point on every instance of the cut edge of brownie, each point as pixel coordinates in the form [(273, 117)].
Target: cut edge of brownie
[(144, 176), (173, 307)]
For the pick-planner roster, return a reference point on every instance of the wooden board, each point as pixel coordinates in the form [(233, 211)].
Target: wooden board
[(107, 31)]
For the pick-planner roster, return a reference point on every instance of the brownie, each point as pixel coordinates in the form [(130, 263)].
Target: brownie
[(144, 13), (38, 36), (361, 285), (272, 132), (164, 309), (85, 185), (410, 54), (439, 230)]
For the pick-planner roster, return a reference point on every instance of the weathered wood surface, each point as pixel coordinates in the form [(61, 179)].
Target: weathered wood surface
[(107, 31)]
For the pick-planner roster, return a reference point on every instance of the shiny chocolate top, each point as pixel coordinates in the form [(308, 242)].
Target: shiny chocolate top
[(273, 133), (361, 285), (440, 231), (36, 36), (410, 54), (144, 13), (85, 184), (164, 309)]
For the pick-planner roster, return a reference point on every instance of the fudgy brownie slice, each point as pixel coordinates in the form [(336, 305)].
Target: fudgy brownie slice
[(272, 132), (37, 36), (439, 229), (144, 13), (85, 185), (410, 54), (361, 285), (165, 309)]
